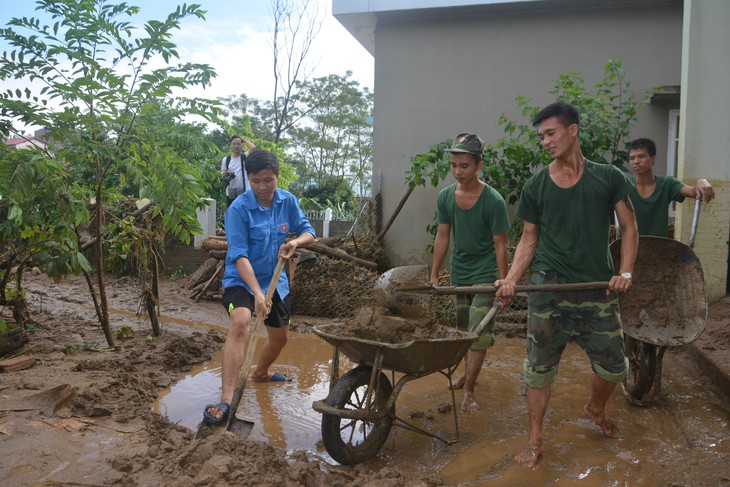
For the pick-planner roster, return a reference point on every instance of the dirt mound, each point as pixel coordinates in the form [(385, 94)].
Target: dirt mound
[(379, 324), (332, 288)]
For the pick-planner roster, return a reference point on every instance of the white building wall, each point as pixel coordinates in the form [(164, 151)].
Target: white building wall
[(704, 147), (437, 77)]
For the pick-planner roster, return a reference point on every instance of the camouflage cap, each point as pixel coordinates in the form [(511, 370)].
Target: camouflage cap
[(466, 142)]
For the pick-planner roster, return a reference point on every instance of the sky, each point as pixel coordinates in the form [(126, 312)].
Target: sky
[(235, 39)]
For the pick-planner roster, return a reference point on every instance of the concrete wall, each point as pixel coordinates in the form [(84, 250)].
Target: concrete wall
[(704, 147), (337, 228), (436, 77)]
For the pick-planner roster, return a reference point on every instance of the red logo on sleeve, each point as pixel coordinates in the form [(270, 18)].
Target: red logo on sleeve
[(284, 227)]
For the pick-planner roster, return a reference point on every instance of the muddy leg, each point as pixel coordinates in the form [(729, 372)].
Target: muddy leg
[(596, 407), (537, 403), (475, 360)]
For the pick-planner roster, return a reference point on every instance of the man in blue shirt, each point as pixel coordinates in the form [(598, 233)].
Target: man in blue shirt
[(257, 224)]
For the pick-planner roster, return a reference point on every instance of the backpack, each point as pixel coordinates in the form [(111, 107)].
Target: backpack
[(243, 161)]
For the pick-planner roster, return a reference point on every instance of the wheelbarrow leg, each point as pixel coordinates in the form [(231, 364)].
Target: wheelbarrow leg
[(643, 385), (658, 373), (639, 382)]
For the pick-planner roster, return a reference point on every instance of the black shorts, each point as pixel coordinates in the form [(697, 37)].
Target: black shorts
[(239, 297)]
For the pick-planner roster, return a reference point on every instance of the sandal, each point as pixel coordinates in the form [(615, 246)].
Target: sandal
[(223, 407)]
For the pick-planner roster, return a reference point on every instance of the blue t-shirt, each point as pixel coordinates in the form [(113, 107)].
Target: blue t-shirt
[(256, 232)]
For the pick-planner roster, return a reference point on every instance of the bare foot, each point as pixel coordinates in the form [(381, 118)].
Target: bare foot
[(609, 428), (459, 382), (468, 404), (530, 455)]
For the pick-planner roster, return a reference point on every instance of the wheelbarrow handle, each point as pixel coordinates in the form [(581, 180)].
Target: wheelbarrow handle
[(488, 317), (525, 288), (695, 223)]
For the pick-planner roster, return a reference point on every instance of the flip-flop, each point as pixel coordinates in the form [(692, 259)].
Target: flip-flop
[(279, 377), (221, 406), (276, 377)]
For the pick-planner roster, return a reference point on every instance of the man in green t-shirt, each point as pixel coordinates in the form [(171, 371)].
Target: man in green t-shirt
[(566, 208), (652, 194), (477, 216)]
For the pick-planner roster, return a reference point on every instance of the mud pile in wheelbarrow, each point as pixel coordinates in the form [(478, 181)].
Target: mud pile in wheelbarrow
[(378, 324)]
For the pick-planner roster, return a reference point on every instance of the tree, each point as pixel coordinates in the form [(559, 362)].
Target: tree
[(248, 112), (90, 79), (334, 142), (296, 25), (40, 211)]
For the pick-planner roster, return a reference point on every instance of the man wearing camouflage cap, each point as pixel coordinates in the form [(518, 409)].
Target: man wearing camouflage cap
[(477, 216)]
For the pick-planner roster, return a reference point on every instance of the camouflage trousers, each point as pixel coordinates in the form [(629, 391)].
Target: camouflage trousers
[(470, 310), (589, 318)]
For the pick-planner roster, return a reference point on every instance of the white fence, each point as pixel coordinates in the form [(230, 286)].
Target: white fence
[(338, 215)]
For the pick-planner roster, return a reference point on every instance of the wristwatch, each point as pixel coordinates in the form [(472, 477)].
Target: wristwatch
[(626, 275)]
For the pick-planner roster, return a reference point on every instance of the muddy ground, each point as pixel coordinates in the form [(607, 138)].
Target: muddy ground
[(110, 405), (47, 442)]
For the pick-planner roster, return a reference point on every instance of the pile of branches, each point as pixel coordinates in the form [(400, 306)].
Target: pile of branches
[(327, 264)]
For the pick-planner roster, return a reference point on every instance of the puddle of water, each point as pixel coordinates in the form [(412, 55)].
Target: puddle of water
[(692, 420), (21, 470), (282, 412), (166, 320)]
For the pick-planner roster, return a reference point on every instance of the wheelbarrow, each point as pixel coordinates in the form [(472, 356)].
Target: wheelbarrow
[(666, 307), (359, 410)]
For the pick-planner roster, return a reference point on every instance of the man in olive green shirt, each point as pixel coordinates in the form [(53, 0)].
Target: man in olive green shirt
[(652, 194), (477, 216), (566, 208)]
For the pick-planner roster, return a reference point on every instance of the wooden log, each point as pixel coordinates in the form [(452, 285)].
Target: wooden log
[(403, 200), (218, 254), (214, 243), (218, 270), (339, 254), (16, 363), (202, 273)]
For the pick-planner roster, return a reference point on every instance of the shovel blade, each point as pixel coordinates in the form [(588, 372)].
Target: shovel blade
[(390, 282), (237, 427), (241, 427), (204, 430)]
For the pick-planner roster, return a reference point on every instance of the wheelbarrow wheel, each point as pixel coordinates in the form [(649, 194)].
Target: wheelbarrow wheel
[(351, 441), (639, 382)]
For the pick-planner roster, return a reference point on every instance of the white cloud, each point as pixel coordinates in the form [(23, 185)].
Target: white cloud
[(236, 42)]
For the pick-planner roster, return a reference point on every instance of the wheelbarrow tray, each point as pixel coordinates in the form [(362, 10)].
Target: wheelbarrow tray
[(415, 357), (667, 304)]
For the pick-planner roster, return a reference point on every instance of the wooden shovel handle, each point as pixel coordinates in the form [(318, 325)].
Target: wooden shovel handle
[(527, 288), (250, 349)]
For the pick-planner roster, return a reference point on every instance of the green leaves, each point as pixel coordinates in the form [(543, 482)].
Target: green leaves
[(116, 126), (431, 167)]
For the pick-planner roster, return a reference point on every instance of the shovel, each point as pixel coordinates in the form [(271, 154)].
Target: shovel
[(235, 425)]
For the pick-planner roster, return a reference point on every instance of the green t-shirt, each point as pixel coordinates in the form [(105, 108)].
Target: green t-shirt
[(473, 260), (574, 222), (652, 213)]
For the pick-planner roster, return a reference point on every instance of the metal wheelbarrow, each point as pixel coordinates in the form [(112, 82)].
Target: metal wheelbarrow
[(359, 410), (666, 307)]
